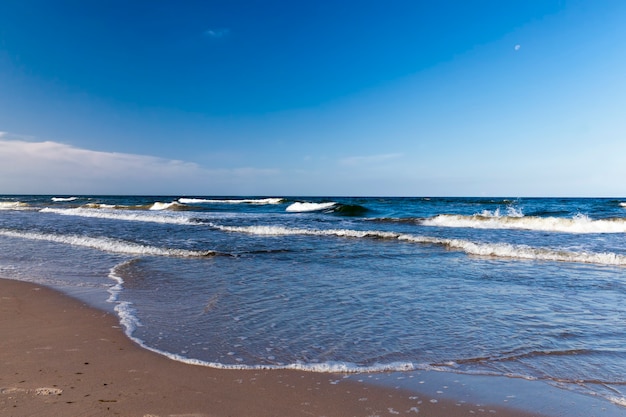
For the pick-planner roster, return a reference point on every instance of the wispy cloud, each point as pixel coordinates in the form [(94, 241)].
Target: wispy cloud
[(52, 167), (369, 159), (217, 33)]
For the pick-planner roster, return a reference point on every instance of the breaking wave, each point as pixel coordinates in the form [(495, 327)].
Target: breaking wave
[(158, 206), (103, 206), (123, 215), (350, 210), (107, 244), (328, 207), (13, 205), (303, 207), (63, 199), (497, 250), (577, 224), (510, 212), (259, 201), (506, 250)]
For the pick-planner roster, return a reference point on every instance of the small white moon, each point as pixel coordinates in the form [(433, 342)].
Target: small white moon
[(517, 47)]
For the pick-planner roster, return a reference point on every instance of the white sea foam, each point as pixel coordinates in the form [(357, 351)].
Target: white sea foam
[(116, 289), (324, 367), (259, 201), (196, 201), (510, 212), (105, 244), (300, 207), (505, 250), (13, 205), (286, 231), (100, 206), (125, 311), (127, 215), (577, 224), (623, 204), (61, 199), (499, 250), (158, 206), (621, 401)]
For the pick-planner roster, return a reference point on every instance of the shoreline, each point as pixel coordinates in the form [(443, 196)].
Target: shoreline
[(63, 357)]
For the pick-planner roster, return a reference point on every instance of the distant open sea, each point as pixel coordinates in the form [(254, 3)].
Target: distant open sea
[(518, 287)]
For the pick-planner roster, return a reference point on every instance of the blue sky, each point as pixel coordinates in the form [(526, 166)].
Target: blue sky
[(406, 98)]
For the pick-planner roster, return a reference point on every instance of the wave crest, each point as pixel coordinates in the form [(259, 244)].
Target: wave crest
[(304, 207), (577, 224), (63, 199), (348, 210), (107, 244), (122, 215), (174, 205), (506, 250), (497, 250), (259, 201), (13, 205)]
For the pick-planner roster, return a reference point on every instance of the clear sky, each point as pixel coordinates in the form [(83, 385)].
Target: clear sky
[(408, 98)]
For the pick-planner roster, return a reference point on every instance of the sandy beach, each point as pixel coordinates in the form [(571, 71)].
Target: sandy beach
[(312, 208), (63, 358)]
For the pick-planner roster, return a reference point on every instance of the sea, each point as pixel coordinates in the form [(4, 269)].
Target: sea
[(531, 288)]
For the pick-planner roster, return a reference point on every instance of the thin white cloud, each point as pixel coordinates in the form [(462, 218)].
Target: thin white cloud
[(369, 160), (217, 33), (52, 167)]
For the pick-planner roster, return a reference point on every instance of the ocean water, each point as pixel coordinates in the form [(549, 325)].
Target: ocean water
[(517, 287)]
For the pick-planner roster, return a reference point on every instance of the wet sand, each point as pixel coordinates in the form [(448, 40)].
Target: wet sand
[(60, 357)]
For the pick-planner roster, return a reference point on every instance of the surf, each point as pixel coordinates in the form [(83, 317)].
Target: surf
[(107, 244), (495, 250), (63, 199), (159, 206), (331, 207), (134, 216), (305, 207), (252, 201), (13, 205), (578, 224)]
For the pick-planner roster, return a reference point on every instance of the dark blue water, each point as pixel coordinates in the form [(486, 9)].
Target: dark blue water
[(530, 288)]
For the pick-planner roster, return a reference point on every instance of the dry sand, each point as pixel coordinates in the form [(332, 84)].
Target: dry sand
[(59, 357)]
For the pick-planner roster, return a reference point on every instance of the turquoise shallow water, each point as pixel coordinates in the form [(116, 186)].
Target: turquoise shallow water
[(530, 288)]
